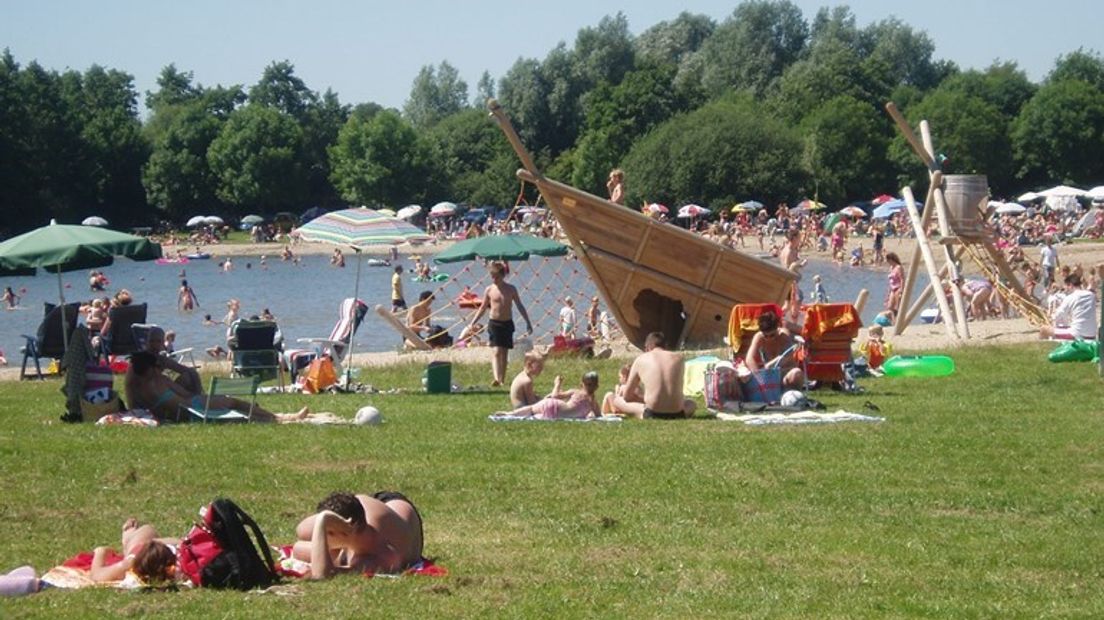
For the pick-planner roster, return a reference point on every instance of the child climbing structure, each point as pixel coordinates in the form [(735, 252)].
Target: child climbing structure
[(957, 202), (653, 276)]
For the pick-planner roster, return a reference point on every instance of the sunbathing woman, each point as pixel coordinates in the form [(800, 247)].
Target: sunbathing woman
[(153, 559), (147, 388), (576, 403)]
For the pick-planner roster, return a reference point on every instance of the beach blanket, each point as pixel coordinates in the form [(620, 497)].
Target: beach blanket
[(75, 573), (509, 417), (134, 417), (323, 417), (287, 566), (798, 417)]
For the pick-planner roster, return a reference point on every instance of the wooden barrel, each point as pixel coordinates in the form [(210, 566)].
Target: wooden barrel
[(967, 196)]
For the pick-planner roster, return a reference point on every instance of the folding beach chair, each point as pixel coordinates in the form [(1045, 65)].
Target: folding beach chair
[(120, 339), (255, 350), (350, 315), (743, 324), (140, 332), (49, 340), (222, 386), (829, 331)]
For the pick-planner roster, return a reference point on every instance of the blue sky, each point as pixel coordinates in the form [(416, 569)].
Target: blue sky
[(370, 51)]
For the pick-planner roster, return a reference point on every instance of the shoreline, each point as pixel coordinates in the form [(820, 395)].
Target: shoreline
[(918, 338)]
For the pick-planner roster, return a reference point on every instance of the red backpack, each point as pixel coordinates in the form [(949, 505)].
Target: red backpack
[(219, 552)]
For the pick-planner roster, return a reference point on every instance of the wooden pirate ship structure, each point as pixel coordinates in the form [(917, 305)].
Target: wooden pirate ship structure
[(653, 276)]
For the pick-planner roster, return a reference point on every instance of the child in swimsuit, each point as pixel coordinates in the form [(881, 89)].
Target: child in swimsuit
[(571, 404), (875, 349)]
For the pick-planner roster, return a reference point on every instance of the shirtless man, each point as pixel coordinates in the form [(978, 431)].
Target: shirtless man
[(500, 298), (186, 376), (790, 251), (377, 533), (417, 317), (522, 391), (660, 372)]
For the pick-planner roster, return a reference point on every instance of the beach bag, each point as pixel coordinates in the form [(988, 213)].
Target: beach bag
[(219, 553), (320, 375), (722, 385), (92, 411), (764, 386)]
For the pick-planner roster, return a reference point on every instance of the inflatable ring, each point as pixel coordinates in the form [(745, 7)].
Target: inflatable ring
[(171, 261), (918, 366), (197, 256)]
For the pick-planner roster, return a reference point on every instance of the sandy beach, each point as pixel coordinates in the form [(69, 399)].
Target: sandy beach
[(918, 337)]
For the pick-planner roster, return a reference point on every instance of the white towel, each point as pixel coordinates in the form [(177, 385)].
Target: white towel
[(799, 417)]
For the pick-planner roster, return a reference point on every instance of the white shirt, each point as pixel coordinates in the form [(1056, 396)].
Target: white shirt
[(567, 319), (1078, 310), (1049, 256)]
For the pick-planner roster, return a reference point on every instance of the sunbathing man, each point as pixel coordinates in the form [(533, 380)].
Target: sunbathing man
[(167, 400), (417, 317), (500, 298), (377, 533), (186, 376), (660, 372)]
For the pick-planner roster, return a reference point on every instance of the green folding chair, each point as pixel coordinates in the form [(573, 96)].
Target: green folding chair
[(222, 386)]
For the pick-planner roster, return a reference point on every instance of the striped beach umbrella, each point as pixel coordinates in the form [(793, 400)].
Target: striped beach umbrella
[(360, 228)]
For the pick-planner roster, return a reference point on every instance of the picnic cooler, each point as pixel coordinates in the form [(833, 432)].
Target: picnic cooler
[(438, 378), (829, 331)]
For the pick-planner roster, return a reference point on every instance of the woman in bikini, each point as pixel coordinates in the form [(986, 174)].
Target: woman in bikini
[(147, 388), (150, 557)]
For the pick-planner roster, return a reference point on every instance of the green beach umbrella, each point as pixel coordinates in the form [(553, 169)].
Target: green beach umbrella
[(501, 247), (59, 248)]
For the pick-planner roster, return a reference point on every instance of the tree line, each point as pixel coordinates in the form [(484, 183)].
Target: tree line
[(764, 104)]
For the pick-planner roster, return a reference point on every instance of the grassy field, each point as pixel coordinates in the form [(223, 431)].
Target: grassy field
[(980, 496)]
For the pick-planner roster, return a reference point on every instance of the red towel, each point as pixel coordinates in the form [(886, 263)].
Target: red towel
[(83, 560)]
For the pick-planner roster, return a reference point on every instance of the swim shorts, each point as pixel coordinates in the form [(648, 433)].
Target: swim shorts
[(388, 496), (659, 415), (500, 333), (398, 304)]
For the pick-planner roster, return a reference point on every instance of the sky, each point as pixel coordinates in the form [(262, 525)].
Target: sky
[(370, 51)]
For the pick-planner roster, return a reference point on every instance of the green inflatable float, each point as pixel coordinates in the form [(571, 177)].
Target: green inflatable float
[(1075, 351), (918, 366)]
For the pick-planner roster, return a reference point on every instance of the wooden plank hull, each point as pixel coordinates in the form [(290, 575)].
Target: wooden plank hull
[(653, 276), (658, 277)]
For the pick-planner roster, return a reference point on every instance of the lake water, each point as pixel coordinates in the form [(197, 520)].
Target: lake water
[(305, 297)]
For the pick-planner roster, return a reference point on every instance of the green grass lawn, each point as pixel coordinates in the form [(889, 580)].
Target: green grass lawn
[(980, 496)]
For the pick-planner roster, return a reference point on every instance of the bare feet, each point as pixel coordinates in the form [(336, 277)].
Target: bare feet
[(496, 383)]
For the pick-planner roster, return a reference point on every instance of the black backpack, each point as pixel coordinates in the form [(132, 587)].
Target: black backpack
[(219, 552)]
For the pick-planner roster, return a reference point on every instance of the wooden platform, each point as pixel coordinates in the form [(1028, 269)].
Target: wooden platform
[(654, 276)]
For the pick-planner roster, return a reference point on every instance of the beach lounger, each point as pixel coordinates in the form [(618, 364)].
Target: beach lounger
[(350, 315), (743, 324), (48, 340), (222, 386)]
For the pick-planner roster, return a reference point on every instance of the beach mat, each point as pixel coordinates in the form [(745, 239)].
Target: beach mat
[(798, 417), (509, 417)]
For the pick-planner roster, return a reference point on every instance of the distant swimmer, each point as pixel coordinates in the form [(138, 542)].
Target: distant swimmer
[(186, 298)]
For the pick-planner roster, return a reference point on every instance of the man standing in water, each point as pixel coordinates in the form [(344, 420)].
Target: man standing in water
[(500, 298)]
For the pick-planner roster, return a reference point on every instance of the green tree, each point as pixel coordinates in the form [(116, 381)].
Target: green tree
[(469, 149), (523, 92), (256, 159), (1080, 65), (484, 90), (752, 48), (174, 87), (897, 54), (1004, 85), (726, 150), (673, 42), (618, 116), (380, 161), (177, 177), (435, 94), (280, 89), (1059, 134), (969, 131), (845, 150)]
